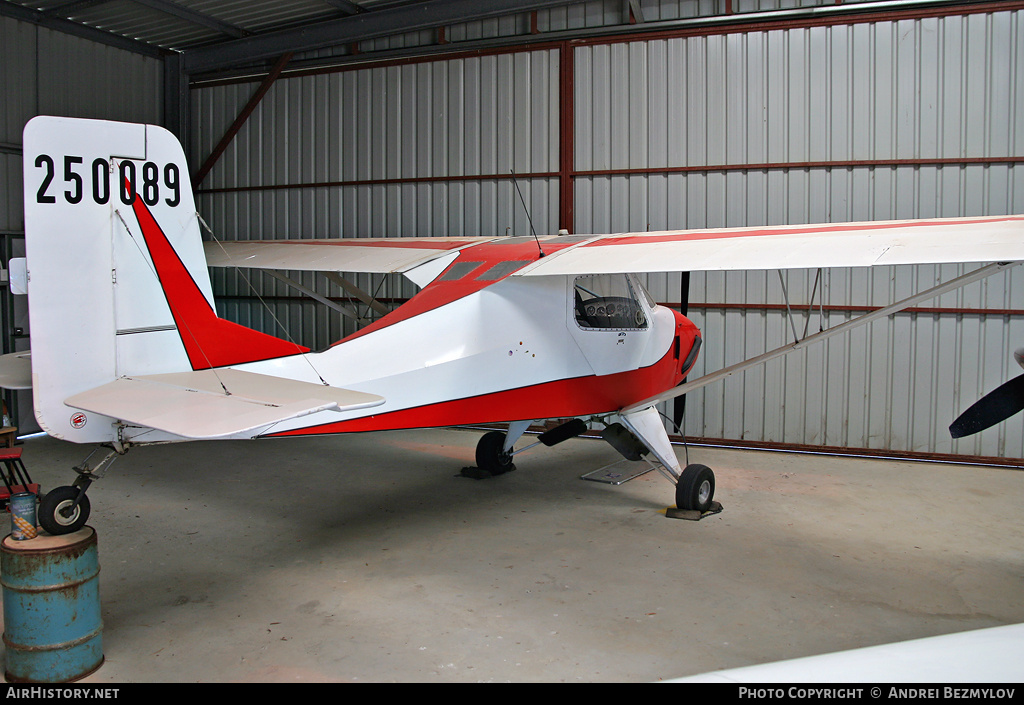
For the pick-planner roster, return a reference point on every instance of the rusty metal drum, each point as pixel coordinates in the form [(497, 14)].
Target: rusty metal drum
[(53, 632)]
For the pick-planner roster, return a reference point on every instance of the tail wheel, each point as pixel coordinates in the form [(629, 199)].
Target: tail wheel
[(696, 488), (490, 453), (58, 513)]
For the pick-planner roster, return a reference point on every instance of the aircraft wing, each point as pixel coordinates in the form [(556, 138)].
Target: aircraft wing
[(195, 404), (927, 241), (369, 255), (933, 241), (16, 370)]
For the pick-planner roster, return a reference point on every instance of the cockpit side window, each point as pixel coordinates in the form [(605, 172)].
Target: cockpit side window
[(607, 301)]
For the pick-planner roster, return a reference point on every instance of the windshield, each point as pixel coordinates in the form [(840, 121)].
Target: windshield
[(604, 301)]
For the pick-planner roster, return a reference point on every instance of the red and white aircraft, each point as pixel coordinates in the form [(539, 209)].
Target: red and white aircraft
[(127, 347)]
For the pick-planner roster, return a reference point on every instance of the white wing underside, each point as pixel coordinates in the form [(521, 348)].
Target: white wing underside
[(795, 247), (932, 241), (361, 255)]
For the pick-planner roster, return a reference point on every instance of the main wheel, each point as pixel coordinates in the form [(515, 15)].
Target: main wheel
[(56, 514), (490, 454), (696, 488)]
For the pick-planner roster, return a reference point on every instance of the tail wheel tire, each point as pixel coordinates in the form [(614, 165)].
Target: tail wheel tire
[(696, 488), (58, 513)]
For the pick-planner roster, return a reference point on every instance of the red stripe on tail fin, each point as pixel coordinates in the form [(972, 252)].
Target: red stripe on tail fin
[(210, 341)]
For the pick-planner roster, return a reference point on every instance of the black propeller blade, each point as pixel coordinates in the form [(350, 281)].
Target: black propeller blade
[(998, 405), (679, 405)]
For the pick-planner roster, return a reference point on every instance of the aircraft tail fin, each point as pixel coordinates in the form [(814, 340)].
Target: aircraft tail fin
[(117, 278)]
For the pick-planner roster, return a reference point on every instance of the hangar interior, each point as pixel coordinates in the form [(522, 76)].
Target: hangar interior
[(851, 517)]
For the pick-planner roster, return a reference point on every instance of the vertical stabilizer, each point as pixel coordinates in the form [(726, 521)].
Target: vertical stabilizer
[(117, 279)]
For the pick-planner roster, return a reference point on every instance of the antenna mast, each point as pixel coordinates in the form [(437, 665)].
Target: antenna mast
[(523, 201)]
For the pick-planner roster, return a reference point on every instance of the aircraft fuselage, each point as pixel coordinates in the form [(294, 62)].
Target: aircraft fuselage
[(478, 345)]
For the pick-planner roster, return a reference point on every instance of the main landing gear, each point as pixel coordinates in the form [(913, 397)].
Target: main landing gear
[(491, 456), (65, 509), (640, 433), (494, 450), (695, 485), (695, 489)]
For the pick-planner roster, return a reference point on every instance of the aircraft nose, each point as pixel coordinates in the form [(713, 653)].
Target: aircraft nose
[(687, 343)]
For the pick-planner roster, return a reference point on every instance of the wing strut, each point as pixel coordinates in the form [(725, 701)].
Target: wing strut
[(354, 290), (280, 276), (810, 306), (952, 284)]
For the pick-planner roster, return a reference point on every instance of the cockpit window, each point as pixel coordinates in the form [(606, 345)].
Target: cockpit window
[(605, 301), (651, 303)]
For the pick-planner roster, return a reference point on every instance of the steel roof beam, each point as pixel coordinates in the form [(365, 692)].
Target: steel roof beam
[(75, 29), (67, 9), (254, 101), (199, 18), (365, 25), (349, 8), (44, 19)]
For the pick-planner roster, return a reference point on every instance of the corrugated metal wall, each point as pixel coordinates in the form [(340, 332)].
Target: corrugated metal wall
[(939, 89), (835, 122), (419, 133), (44, 72)]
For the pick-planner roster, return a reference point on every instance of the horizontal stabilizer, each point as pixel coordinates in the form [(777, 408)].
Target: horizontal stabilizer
[(195, 405), (16, 370)]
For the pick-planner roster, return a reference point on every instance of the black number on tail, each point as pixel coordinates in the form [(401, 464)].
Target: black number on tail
[(44, 160)]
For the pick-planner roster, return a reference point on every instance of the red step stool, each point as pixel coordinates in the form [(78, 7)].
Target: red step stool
[(15, 476)]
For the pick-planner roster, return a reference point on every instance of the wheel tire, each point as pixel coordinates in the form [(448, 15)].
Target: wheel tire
[(58, 500), (490, 454), (696, 488)]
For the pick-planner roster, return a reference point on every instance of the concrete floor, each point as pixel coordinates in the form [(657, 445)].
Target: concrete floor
[(365, 558)]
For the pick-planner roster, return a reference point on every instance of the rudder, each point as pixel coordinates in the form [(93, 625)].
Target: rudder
[(117, 279)]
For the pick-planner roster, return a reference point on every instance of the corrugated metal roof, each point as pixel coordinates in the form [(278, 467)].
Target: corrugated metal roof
[(178, 25), (224, 34), (239, 32)]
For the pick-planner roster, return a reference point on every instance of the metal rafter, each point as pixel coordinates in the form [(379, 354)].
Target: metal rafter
[(77, 29), (366, 25), (261, 91), (349, 8), (199, 18), (68, 9), (634, 14)]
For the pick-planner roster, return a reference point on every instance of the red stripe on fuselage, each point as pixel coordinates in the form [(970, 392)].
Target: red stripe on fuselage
[(563, 398)]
